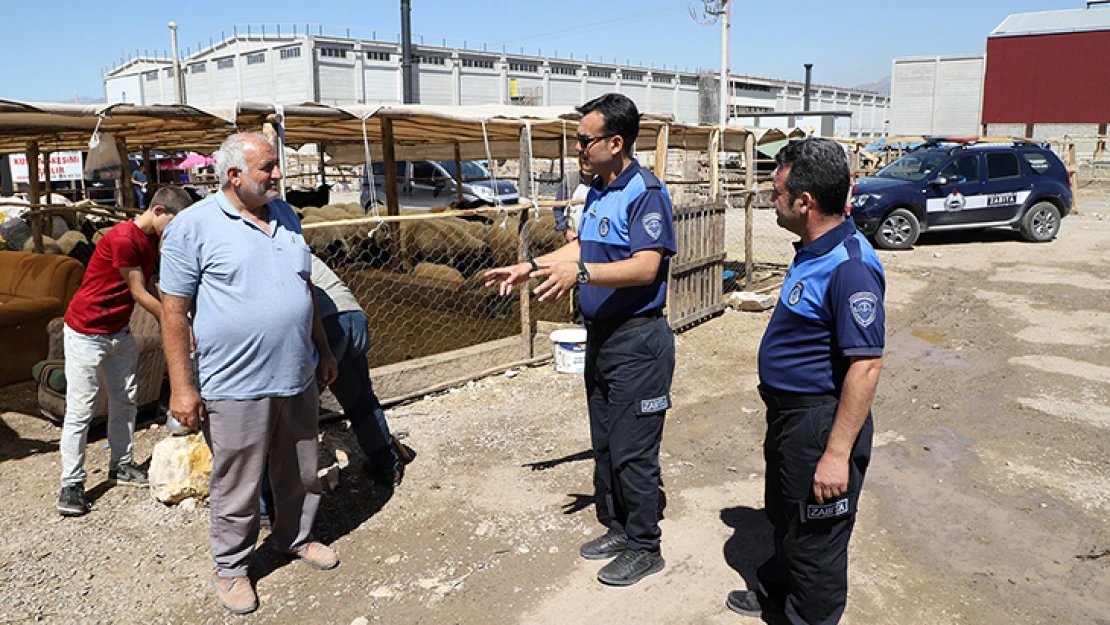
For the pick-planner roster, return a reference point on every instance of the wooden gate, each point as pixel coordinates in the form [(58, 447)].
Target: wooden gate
[(696, 287)]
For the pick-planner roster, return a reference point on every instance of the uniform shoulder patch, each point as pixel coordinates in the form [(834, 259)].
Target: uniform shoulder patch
[(864, 307), (795, 294), (653, 225)]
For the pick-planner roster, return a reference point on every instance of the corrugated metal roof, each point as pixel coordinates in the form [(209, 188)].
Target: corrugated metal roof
[(1049, 22)]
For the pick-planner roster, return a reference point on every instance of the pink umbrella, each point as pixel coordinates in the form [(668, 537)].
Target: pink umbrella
[(192, 161)]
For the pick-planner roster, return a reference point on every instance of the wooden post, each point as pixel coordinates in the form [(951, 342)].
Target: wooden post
[(126, 197), (148, 170), (458, 176), (47, 186), (397, 247), (323, 165), (34, 194), (524, 183), (749, 200), (1073, 174), (714, 164), (661, 139)]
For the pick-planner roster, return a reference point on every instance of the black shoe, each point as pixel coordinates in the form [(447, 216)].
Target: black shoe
[(72, 501), (631, 566), (744, 602), (128, 474), (608, 545)]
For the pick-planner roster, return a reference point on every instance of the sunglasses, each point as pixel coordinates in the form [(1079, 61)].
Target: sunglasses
[(585, 141)]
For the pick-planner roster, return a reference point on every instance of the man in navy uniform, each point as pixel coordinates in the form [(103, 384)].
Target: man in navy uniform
[(819, 365), (620, 262)]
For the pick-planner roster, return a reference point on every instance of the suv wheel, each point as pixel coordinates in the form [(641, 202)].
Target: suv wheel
[(898, 230), (1041, 222)]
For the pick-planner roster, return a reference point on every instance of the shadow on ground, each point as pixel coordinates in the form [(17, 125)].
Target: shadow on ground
[(751, 543)]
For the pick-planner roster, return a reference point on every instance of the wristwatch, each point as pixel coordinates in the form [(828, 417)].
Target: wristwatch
[(532, 261), (583, 275)]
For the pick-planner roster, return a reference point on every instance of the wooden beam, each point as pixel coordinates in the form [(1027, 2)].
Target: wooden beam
[(749, 200), (148, 169), (34, 194), (126, 197), (524, 183), (662, 136), (458, 175), (715, 165), (389, 162)]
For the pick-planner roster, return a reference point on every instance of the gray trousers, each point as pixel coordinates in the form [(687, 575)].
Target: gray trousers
[(239, 433)]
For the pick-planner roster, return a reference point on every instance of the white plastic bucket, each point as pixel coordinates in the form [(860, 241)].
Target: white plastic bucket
[(569, 350)]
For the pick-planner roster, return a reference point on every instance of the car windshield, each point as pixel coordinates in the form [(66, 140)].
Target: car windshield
[(471, 170), (913, 166)]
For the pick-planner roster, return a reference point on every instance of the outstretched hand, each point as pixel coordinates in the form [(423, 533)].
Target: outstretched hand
[(508, 277), (561, 277)]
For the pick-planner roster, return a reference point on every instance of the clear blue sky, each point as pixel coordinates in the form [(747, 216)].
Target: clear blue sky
[(51, 49)]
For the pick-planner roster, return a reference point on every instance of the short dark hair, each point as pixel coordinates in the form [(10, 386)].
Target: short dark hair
[(817, 166), (173, 199), (620, 115)]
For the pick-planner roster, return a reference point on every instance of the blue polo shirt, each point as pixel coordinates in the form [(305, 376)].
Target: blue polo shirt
[(632, 213), (252, 306), (830, 309)]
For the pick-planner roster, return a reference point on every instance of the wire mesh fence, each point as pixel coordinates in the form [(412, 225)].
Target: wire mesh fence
[(419, 275)]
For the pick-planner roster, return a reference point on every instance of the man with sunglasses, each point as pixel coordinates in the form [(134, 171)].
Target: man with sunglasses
[(620, 262), (819, 366)]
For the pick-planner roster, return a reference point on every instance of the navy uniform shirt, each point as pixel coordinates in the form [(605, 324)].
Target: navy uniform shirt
[(632, 214), (830, 309)]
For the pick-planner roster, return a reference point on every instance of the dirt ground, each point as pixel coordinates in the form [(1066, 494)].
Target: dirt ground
[(988, 490)]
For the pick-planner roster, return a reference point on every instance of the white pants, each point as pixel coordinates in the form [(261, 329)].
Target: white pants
[(94, 361)]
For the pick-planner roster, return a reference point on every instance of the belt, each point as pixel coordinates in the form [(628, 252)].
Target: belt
[(781, 400), (609, 326)]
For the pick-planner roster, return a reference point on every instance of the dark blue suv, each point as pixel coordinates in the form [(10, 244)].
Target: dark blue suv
[(1021, 185)]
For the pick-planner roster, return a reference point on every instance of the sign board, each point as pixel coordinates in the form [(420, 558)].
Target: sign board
[(63, 166)]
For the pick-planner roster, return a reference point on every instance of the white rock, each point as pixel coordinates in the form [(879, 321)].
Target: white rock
[(342, 459), (427, 583), (188, 505), (754, 302), (180, 467), (362, 619), (393, 559), (482, 529), (329, 476), (382, 593)]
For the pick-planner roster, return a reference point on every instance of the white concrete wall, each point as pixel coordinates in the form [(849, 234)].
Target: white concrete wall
[(937, 96)]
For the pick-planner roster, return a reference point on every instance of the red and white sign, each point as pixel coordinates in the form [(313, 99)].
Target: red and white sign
[(63, 166)]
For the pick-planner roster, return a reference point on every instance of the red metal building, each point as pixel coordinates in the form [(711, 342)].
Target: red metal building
[(1049, 68)]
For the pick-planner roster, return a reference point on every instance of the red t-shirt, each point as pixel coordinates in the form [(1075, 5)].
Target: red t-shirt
[(103, 303)]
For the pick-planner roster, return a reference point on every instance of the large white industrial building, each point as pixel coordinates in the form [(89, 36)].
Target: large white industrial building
[(937, 95), (265, 64)]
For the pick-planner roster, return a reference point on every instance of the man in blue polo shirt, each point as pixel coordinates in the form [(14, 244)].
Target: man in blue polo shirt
[(620, 262), (240, 266), (819, 365)]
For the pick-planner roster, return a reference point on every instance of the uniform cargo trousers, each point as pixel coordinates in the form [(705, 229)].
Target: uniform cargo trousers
[(807, 578), (628, 373)]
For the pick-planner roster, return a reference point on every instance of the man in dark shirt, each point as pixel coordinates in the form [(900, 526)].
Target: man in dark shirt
[(620, 262), (819, 365)]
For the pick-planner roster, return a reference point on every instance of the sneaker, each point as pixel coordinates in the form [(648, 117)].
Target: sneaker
[(72, 501), (631, 566), (608, 545), (317, 555), (128, 474), (744, 602), (235, 594)]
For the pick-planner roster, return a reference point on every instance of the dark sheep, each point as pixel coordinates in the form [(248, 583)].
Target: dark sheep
[(320, 196)]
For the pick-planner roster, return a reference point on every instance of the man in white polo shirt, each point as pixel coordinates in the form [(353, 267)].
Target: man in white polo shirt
[(240, 266)]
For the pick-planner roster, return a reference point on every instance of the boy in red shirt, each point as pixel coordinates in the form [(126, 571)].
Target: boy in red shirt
[(99, 348)]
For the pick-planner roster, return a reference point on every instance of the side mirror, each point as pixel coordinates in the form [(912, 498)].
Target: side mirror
[(940, 181)]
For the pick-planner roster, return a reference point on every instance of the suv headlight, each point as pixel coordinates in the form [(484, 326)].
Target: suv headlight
[(483, 192), (860, 199)]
